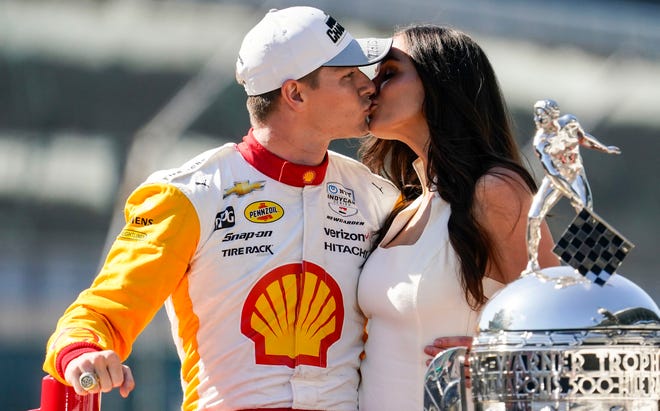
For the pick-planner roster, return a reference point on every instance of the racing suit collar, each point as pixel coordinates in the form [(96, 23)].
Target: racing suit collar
[(284, 171)]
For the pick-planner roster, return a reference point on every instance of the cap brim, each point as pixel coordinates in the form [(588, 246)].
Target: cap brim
[(361, 52)]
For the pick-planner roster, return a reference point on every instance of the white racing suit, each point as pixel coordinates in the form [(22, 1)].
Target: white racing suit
[(257, 261)]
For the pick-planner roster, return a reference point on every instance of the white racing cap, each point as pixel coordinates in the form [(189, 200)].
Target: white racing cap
[(290, 43)]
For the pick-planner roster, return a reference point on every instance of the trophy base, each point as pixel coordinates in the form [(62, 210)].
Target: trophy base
[(573, 406)]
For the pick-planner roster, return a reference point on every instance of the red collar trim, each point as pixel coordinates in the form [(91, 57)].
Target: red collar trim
[(292, 174)]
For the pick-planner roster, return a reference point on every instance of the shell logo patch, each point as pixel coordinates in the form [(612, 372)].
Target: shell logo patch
[(308, 176), (293, 314), (263, 212)]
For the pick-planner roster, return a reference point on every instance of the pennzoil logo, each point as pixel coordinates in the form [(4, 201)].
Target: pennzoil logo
[(263, 212), (294, 314), (241, 188)]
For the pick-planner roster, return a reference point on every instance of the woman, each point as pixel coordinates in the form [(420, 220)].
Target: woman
[(444, 138)]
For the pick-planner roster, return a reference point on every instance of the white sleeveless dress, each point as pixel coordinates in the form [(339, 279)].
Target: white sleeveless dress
[(411, 295)]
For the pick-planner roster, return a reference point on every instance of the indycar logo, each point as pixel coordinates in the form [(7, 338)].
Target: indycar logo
[(241, 188), (341, 200)]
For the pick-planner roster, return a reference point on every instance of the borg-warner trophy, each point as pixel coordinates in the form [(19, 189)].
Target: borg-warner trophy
[(575, 337)]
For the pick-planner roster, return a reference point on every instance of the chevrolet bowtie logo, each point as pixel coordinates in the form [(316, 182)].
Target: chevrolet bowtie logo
[(242, 188)]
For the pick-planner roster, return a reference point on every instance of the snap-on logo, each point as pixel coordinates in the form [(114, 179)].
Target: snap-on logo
[(263, 212), (336, 30)]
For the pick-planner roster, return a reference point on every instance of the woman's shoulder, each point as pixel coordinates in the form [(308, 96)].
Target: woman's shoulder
[(501, 184), (502, 191)]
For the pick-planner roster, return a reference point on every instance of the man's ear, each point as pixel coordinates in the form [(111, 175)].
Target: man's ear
[(292, 94)]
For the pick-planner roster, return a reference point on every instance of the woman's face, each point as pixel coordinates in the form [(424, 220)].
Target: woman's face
[(396, 112)]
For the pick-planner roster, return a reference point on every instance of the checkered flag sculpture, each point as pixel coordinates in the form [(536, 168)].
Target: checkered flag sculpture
[(589, 245), (592, 247)]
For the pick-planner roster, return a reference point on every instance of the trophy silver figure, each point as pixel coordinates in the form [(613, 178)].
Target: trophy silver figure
[(557, 143), (576, 337)]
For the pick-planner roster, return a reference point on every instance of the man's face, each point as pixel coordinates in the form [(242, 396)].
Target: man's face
[(339, 106)]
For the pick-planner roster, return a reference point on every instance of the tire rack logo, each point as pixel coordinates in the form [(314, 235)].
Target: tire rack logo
[(341, 200), (225, 219), (263, 212), (293, 314)]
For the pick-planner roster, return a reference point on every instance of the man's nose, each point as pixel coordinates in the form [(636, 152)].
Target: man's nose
[(367, 86)]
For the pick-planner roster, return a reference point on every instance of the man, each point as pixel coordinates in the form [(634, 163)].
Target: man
[(557, 143), (254, 248)]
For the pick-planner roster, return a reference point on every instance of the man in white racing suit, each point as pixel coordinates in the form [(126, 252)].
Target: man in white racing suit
[(254, 248)]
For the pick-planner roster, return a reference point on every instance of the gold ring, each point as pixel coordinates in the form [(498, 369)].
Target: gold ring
[(88, 381)]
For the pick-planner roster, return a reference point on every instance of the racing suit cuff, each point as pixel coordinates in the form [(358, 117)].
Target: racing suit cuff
[(68, 353)]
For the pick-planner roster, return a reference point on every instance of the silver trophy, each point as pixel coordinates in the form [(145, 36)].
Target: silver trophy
[(575, 337)]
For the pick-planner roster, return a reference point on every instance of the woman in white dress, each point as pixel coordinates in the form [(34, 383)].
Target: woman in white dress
[(443, 136)]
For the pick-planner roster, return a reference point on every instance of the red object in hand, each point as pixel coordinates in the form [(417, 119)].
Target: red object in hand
[(56, 396)]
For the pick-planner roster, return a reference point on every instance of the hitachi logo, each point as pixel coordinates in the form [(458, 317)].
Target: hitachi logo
[(336, 30), (341, 248)]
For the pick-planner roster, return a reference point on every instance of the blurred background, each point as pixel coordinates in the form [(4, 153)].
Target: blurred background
[(95, 95)]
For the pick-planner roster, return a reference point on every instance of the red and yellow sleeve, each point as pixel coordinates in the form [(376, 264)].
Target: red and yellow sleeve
[(146, 262)]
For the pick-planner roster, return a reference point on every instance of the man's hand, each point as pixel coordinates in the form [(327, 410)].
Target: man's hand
[(442, 343), (106, 367)]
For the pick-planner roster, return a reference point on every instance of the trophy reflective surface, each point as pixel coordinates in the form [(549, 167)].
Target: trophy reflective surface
[(574, 337)]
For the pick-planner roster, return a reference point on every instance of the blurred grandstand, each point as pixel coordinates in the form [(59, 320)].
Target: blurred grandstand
[(94, 95)]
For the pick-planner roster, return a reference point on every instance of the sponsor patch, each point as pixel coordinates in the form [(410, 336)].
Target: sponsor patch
[(341, 199), (335, 31), (346, 235), (250, 249), (308, 176), (141, 221), (346, 249), (225, 218), (246, 236), (263, 212), (294, 314), (341, 220), (132, 235), (241, 188), (201, 180)]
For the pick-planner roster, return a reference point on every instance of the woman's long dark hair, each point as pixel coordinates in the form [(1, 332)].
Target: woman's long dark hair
[(470, 136)]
